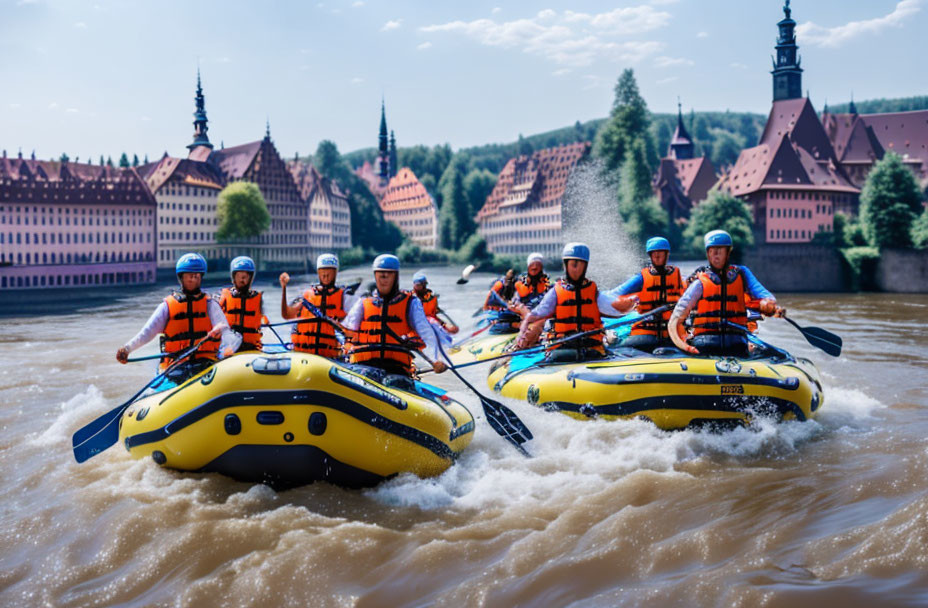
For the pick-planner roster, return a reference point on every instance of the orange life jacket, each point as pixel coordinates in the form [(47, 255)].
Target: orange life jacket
[(429, 303), (658, 288), (243, 312), (576, 312), (722, 301), (526, 288), (378, 315), (317, 336), (501, 289), (188, 322)]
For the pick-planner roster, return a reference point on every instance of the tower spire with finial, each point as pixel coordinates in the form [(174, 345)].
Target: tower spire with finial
[(681, 144), (267, 128), (200, 126), (852, 107), (787, 75), (383, 146)]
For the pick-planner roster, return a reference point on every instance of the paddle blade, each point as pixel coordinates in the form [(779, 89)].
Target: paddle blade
[(505, 422), (823, 339), (103, 433)]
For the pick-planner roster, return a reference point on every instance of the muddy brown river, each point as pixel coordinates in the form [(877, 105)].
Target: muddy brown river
[(831, 512)]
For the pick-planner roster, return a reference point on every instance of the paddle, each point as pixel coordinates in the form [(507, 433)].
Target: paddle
[(148, 357), (819, 338), (501, 419), (550, 345), (103, 432), (485, 326), (750, 336), (465, 274)]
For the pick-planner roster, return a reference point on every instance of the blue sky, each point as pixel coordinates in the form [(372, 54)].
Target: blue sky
[(102, 76)]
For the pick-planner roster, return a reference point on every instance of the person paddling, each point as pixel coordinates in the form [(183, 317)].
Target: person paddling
[(718, 295), (316, 335), (656, 285), (576, 306), (429, 299), (244, 307), (389, 324), (184, 318)]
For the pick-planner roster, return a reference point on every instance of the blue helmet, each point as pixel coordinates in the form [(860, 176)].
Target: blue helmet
[(386, 261), (190, 262), (242, 263), (657, 243), (327, 260), (718, 238), (576, 251), (419, 277)]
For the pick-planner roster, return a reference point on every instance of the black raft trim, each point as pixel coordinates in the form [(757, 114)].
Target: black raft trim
[(789, 384), (286, 398), (756, 405)]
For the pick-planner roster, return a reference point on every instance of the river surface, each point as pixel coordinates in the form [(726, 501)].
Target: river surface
[(828, 512)]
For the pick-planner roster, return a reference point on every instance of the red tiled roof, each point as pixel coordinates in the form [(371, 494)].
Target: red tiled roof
[(71, 182), (235, 161), (905, 133), (182, 170), (541, 177), (309, 180), (405, 191)]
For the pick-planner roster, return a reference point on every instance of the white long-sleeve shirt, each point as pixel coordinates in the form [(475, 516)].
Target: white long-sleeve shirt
[(159, 320), (417, 320)]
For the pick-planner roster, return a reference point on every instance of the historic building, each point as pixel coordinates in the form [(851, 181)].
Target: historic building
[(330, 216), (683, 179), (792, 178), (408, 204), (523, 213), (187, 192), (859, 140), (66, 224)]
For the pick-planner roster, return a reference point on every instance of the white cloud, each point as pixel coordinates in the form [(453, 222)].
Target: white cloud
[(223, 60), (667, 80), (702, 35), (816, 35), (568, 38), (80, 25), (593, 81), (357, 4), (71, 110), (496, 9), (391, 25), (738, 65), (560, 72), (425, 45), (16, 105), (53, 105), (669, 62), (356, 80)]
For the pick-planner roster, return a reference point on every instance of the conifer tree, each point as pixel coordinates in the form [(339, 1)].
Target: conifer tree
[(628, 121)]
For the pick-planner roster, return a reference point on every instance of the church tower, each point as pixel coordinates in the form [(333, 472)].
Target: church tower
[(787, 75), (394, 164), (681, 144), (384, 153), (199, 121)]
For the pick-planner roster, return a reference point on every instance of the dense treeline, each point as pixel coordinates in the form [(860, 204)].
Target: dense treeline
[(877, 106)]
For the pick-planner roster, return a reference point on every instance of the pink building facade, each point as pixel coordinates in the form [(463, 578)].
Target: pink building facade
[(72, 225)]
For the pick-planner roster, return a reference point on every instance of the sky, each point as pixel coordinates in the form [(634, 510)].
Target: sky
[(105, 76)]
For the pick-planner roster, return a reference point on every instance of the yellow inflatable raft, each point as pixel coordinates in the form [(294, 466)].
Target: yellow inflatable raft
[(292, 418), (674, 392), (480, 347)]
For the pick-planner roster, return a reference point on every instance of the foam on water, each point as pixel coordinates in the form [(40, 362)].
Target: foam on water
[(77, 411)]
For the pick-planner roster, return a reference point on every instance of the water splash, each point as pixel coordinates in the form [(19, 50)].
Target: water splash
[(591, 215)]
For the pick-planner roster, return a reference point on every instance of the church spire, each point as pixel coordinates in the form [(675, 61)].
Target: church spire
[(394, 163), (681, 144), (384, 154), (852, 107), (787, 75), (200, 126)]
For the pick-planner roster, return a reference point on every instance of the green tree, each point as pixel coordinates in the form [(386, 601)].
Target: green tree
[(242, 212), (628, 121), (64, 157), (720, 211), (135, 160), (455, 223), (889, 203), (109, 161), (726, 148), (474, 250), (639, 208), (920, 231), (478, 185), (124, 161), (102, 162)]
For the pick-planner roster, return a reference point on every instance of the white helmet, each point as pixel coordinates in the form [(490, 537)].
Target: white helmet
[(534, 257), (327, 260)]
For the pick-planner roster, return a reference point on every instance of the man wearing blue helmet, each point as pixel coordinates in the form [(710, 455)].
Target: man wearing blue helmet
[(317, 336), (184, 318), (576, 306), (420, 289), (244, 307), (718, 295), (387, 322), (656, 285)]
